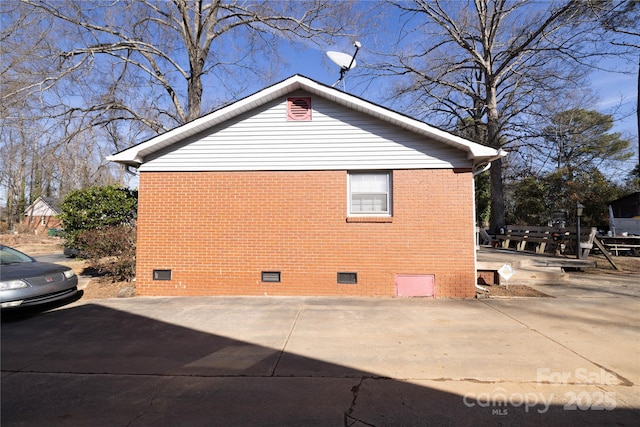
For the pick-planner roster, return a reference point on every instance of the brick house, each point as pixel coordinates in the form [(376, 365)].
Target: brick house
[(302, 189), (42, 215)]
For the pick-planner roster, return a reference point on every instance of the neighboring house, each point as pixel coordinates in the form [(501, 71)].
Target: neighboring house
[(302, 189), (41, 215), (626, 214)]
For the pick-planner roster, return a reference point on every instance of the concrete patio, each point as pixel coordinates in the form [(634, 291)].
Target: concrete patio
[(573, 359)]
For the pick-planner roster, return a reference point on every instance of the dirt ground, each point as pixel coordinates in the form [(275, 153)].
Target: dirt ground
[(513, 291), (629, 264), (31, 244), (99, 287)]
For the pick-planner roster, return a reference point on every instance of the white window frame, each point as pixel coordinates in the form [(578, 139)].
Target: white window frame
[(388, 193)]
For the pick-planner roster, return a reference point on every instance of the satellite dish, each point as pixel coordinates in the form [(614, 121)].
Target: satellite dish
[(343, 60)]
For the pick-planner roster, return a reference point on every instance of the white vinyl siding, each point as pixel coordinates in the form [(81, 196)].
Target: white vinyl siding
[(40, 208), (336, 138), (369, 193)]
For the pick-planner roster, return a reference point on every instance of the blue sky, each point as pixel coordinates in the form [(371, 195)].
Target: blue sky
[(618, 90)]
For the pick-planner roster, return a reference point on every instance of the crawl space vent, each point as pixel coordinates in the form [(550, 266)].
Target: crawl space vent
[(348, 278), (271, 276), (161, 274), (299, 109)]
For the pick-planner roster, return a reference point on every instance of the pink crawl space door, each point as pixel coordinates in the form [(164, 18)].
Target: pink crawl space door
[(415, 285)]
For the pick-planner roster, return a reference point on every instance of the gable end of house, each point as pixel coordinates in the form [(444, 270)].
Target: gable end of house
[(323, 135), (302, 90)]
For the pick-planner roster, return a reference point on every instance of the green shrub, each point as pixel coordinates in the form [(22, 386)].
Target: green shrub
[(97, 207), (99, 223)]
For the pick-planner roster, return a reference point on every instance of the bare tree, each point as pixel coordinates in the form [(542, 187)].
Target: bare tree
[(621, 18), (150, 61), (21, 176), (80, 79), (494, 61)]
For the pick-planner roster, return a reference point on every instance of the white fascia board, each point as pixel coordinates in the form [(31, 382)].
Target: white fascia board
[(135, 155)]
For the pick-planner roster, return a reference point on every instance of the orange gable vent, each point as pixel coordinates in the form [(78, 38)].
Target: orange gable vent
[(299, 109)]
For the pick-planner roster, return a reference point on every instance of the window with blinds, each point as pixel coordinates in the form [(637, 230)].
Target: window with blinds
[(370, 193)]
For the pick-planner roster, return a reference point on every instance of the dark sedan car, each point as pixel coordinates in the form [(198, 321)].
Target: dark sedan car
[(25, 281)]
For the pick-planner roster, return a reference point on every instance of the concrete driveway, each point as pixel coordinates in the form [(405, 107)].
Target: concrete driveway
[(243, 361)]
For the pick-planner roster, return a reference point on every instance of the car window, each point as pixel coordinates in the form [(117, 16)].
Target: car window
[(11, 256)]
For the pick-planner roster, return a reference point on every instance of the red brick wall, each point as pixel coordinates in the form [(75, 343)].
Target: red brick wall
[(35, 223), (217, 231), (488, 277)]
